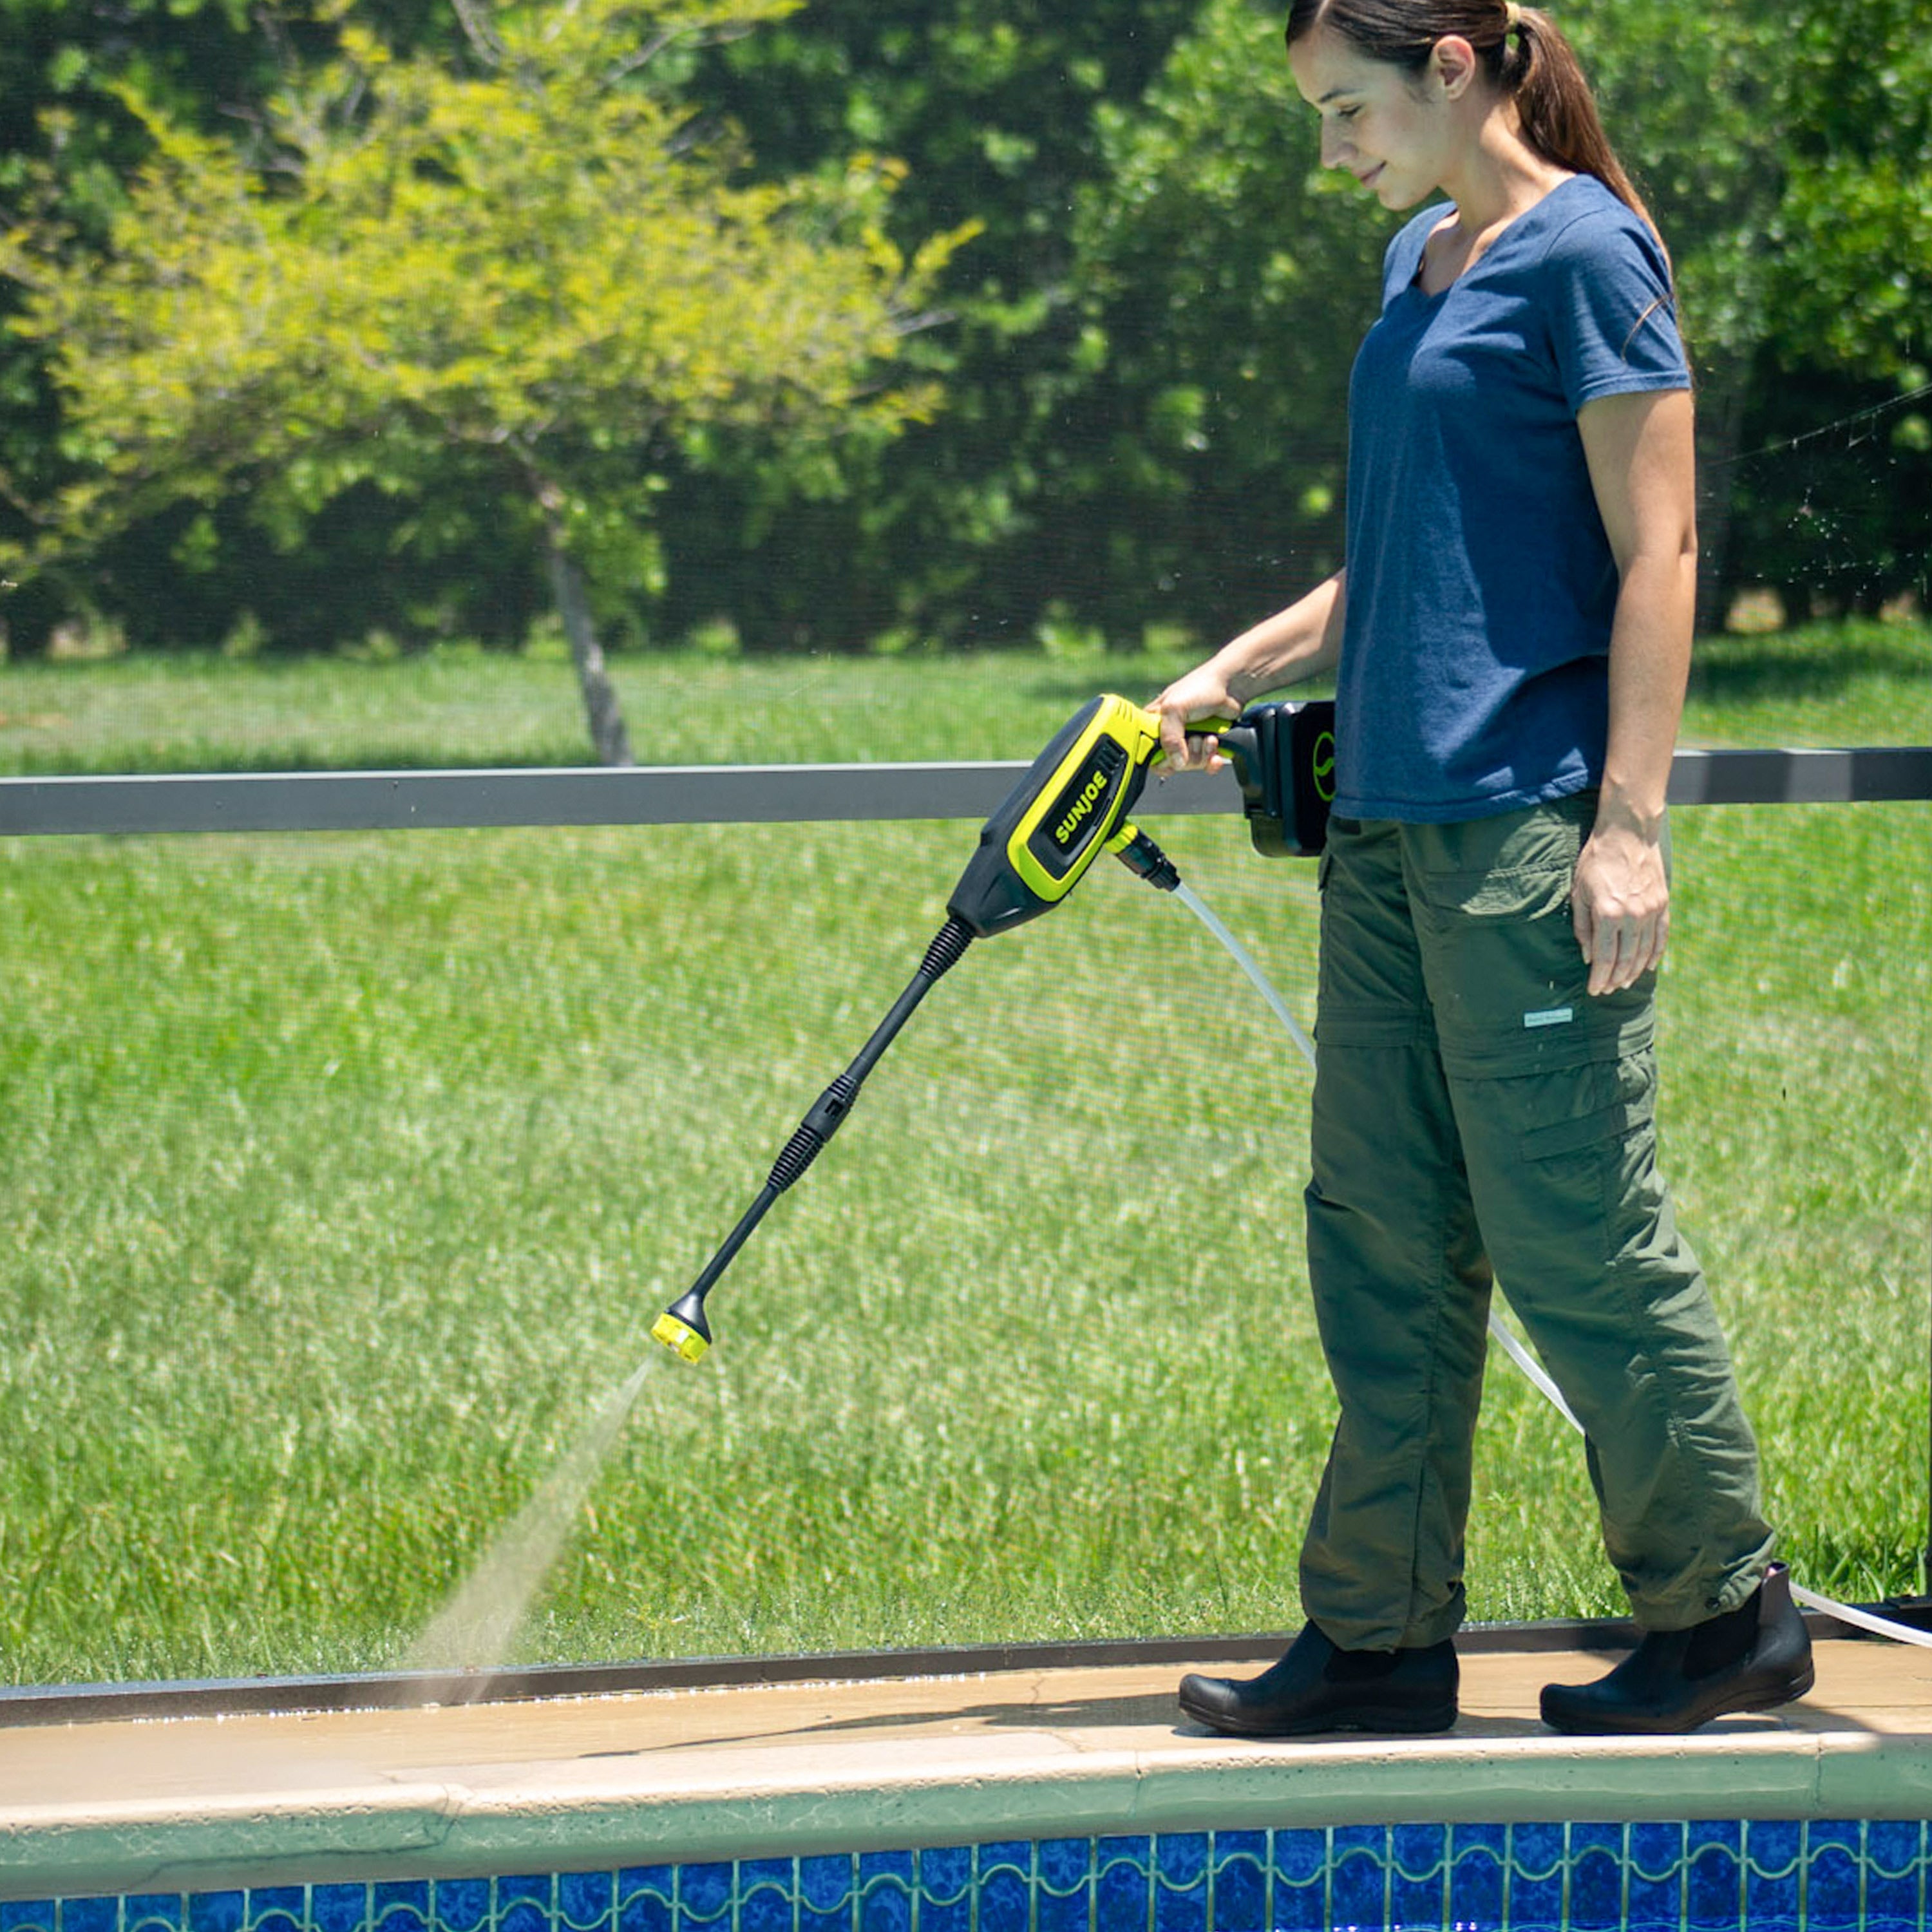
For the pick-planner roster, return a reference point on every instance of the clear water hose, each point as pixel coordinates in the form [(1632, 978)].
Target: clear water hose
[(1244, 960), (1844, 1612)]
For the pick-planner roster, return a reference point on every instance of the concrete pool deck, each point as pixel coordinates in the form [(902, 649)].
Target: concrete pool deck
[(205, 1803)]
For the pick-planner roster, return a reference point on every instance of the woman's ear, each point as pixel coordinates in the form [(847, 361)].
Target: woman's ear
[(1453, 65)]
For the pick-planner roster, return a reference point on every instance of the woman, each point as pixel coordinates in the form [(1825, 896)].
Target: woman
[(1511, 637)]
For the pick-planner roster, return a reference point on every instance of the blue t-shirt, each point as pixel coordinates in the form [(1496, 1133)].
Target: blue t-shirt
[(1473, 675)]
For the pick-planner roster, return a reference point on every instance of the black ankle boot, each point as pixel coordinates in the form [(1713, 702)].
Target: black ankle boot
[(1318, 1687), (1752, 1658)]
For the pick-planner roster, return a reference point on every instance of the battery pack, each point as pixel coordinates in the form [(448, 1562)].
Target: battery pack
[(1284, 760)]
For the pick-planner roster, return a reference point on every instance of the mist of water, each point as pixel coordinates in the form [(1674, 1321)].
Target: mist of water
[(470, 1637), (469, 1640)]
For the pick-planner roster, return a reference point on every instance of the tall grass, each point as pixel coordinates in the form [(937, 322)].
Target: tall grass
[(343, 1175)]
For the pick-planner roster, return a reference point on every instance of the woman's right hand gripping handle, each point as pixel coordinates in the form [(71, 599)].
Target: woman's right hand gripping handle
[(1200, 694)]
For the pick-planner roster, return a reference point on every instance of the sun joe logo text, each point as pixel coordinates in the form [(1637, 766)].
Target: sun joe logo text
[(1081, 808), (1090, 795)]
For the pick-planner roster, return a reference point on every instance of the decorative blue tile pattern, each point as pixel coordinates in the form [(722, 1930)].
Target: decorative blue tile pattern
[(1722, 1877), (645, 1901)]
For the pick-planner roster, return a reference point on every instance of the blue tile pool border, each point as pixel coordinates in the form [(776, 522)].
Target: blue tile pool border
[(1721, 1875)]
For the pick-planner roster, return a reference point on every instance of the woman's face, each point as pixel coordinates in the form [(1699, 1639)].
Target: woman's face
[(1387, 128)]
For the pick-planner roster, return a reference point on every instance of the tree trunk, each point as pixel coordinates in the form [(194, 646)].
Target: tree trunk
[(611, 742), (1722, 394)]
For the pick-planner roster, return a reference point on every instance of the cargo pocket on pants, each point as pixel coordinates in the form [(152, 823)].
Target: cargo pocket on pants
[(1566, 1109), (1559, 1143)]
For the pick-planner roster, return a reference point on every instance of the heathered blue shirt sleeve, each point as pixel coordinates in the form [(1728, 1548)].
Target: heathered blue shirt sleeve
[(1612, 322), (1481, 587)]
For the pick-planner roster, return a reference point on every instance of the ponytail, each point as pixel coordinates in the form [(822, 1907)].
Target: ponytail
[(1524, 54), (1559, 112)]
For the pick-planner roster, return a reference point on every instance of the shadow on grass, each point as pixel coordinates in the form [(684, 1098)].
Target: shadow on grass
[(1816, 662), (174, 761)]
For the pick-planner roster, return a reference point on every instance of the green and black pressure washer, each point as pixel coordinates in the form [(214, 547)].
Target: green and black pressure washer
[(1071, 806)]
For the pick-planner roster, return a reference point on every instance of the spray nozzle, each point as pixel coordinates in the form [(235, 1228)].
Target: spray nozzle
[(687, 1334)]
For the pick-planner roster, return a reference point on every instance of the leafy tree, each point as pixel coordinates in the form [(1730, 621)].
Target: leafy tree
[(1784, 150), (1840, 517), (964, 532), (1145, 369), (1787, 151), (210, 63), (1225, 284), (541, 269)]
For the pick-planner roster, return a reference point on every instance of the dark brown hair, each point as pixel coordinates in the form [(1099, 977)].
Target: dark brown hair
[(1522, 52)]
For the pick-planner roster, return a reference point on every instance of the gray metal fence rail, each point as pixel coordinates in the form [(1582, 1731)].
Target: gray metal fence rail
[(771, 794)]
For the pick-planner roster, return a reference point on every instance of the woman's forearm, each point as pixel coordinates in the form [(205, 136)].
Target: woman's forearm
[(1640, 451), (1650, 665), (1293, 644), (1298, 643)]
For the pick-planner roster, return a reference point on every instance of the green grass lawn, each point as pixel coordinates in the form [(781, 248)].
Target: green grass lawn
[(1832, 684), (343, 1176)]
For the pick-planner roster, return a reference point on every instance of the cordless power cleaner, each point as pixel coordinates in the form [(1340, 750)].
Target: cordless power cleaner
[(1071, 806)]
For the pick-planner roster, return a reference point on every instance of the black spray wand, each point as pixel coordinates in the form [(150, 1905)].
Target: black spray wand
[(1071, 805), (682, 1327)]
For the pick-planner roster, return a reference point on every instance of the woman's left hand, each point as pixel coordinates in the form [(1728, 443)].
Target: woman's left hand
[(1620, 905)]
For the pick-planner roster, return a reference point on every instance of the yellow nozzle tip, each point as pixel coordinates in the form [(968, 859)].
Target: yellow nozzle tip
[(679, 1337)]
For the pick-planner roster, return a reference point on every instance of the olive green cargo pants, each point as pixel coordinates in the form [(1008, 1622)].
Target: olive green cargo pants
[(1475, 1108)]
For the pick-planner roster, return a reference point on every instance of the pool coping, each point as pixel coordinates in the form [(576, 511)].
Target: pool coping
[(652, 1778), (30, 1704)]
